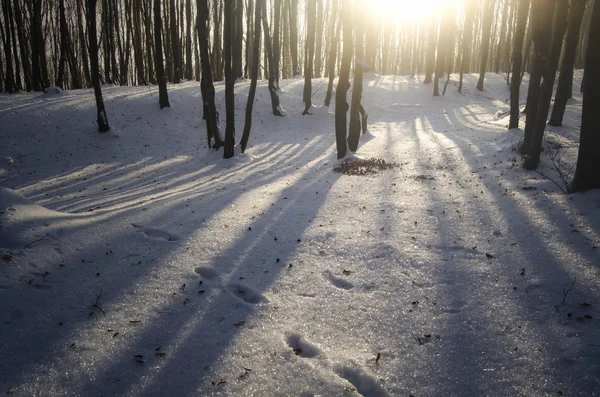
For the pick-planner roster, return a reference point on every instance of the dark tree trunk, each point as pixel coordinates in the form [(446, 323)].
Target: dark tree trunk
[(253, 75), (64, 34), (587, 171), (9, 79), (149, 42), (431, 43), (335, 39), (163, 96), (564, 90), (84, 51), (23, 45), (541, 31), (319, 38), (208, 89), (229, 20), (467, 39), (276, 41), (137, 42), (268, 48), (107, 32), (37, 77), (560, 25), (341, 104), (310, 53), (442, 46), (294, 37), (217, 61), (517, 57), (101, 112), (238, 40), (500, 49), (189, 70), (357, 86), (485, 40), (249, 42), (175, 45)]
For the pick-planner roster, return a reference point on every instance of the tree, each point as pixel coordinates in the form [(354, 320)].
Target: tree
[(277, 110), (175, 44), (357, 87), (276, 41), (9, 81), (517, 59), (161, 78), (488, 15), (467, 37), (228, 20), (95, 75), (206, 85), (310, 53), (335, 39), (294, 36), (341, 103), (431, 44), (532, 159), (587, 171), (253, 76), (564, 90)]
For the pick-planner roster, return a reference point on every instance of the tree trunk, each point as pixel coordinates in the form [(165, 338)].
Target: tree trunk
[(64, 34), (310, 53), (149, 42), (137, 42), (485, 40), (101, 112), (541, 32), (229, 20), (253, 75), (9, 81), (175, 45), (319, 39), (440, 60), (82, 44), (532, 159), (276, 41), (587, 171), (189, 70), (331, 59), (163, 96), (238, 40), (564, 90), (517, 57), (357, 86), (21, 33), (276, 106), (294, 36), (431, 43), (341, 104), (217, 61), (208, 89), (500, 49)]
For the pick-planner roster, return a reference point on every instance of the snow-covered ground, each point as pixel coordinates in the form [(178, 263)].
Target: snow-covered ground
[(140, 263)]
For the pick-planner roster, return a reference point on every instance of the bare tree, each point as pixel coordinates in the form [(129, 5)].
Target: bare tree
[(341, 103), (101, 112), (253, 76), (161, 78)]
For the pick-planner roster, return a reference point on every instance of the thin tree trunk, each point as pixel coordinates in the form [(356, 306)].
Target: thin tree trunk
[(310, 53), (431, 43), (319, 39), (163, 96), (276, 106), (253, 76), (485, 40), (82, 44), (341, 104), (294, 36), (229, 20), (276, 41), (335, 39), (517, 57), (357, 86), (564, 90), (189, 70), (101, 112), (175, 45)]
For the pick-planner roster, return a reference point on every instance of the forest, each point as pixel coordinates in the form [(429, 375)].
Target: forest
[(300, 198)]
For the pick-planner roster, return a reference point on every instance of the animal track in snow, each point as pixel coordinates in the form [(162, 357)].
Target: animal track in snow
[(301, 346), (206, 272), (338, 282), (246, 293), (364, 383), (159, 234)]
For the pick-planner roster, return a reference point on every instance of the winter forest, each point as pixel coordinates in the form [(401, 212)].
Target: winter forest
[(300, 197)]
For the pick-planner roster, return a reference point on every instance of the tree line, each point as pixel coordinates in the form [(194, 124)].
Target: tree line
[(83, 43)]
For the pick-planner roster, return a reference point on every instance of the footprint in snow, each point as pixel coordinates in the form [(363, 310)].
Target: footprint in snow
[(364, 383), (159, 234), (206, 272), (246, 293), (301, 346), (338, 282)]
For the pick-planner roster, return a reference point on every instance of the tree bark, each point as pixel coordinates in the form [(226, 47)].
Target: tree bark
[(357, 86), (189, 70), (9, 79), (294, 36), (175, 45), (485, 40), (101, 112), (532, 159), (331, 59), (341, 104), (310, 53), (229, 20), (431, 44), (21, 33), (253, 76), (517, 57), (587, 171), (319, 38), (163, 96), (564, 90), (276, 106), (276, 41)]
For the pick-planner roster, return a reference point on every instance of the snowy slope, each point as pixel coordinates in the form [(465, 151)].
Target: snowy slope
[(138, 262)]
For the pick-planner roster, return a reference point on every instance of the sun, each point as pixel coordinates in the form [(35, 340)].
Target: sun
[(401, 10)]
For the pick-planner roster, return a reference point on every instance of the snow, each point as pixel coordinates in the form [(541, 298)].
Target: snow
[(139, 262)]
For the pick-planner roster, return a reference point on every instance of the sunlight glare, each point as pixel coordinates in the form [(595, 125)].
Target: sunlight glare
[(410, 9)]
